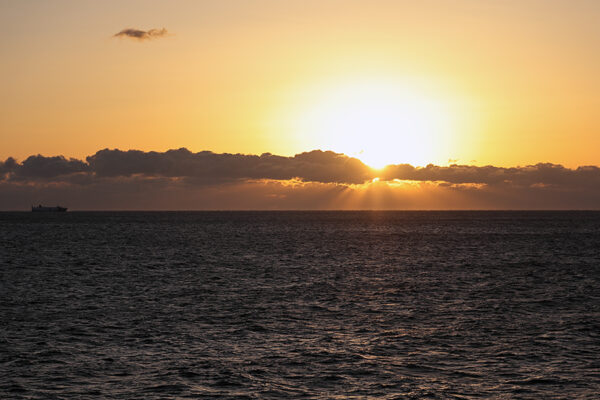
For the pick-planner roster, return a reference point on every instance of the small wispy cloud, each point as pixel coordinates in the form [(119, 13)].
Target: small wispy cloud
[(138, 34)]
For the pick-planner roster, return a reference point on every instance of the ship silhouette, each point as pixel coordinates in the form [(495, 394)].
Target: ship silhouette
[(41, 208)]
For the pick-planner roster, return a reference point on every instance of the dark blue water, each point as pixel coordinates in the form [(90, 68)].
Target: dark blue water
[(300, 304)]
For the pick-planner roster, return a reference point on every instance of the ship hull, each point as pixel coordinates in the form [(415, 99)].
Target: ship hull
[(48, 209)]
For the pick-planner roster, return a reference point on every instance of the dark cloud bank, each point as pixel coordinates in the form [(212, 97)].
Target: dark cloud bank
[(180, 179)]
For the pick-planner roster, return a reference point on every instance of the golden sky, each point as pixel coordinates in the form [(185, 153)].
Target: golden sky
[(476, 82)]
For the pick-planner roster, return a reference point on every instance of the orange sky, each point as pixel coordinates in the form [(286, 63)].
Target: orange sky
[(481, 82)]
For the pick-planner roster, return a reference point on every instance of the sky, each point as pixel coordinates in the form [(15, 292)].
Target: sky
[(509, 85)]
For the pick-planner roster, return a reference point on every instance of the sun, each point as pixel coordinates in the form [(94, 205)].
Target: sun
[(379, 122)]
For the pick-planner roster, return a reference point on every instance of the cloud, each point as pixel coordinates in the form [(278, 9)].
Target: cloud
[(542, 174), (181, 179), (139, 34), (206, 166), (8, 166), (40, 167)]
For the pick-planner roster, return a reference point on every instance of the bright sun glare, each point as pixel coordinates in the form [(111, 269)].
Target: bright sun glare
[(380, 123)]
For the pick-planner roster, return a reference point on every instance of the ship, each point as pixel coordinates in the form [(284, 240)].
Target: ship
[(41, 208)]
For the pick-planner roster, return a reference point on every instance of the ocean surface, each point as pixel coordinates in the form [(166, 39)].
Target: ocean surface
[(262, 305)]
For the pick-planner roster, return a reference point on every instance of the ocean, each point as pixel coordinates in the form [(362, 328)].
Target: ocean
[(269, 305)]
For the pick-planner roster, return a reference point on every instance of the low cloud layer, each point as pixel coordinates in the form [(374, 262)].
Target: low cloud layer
[(206, 166), (543, 174), (138, 34), (181, 179)]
